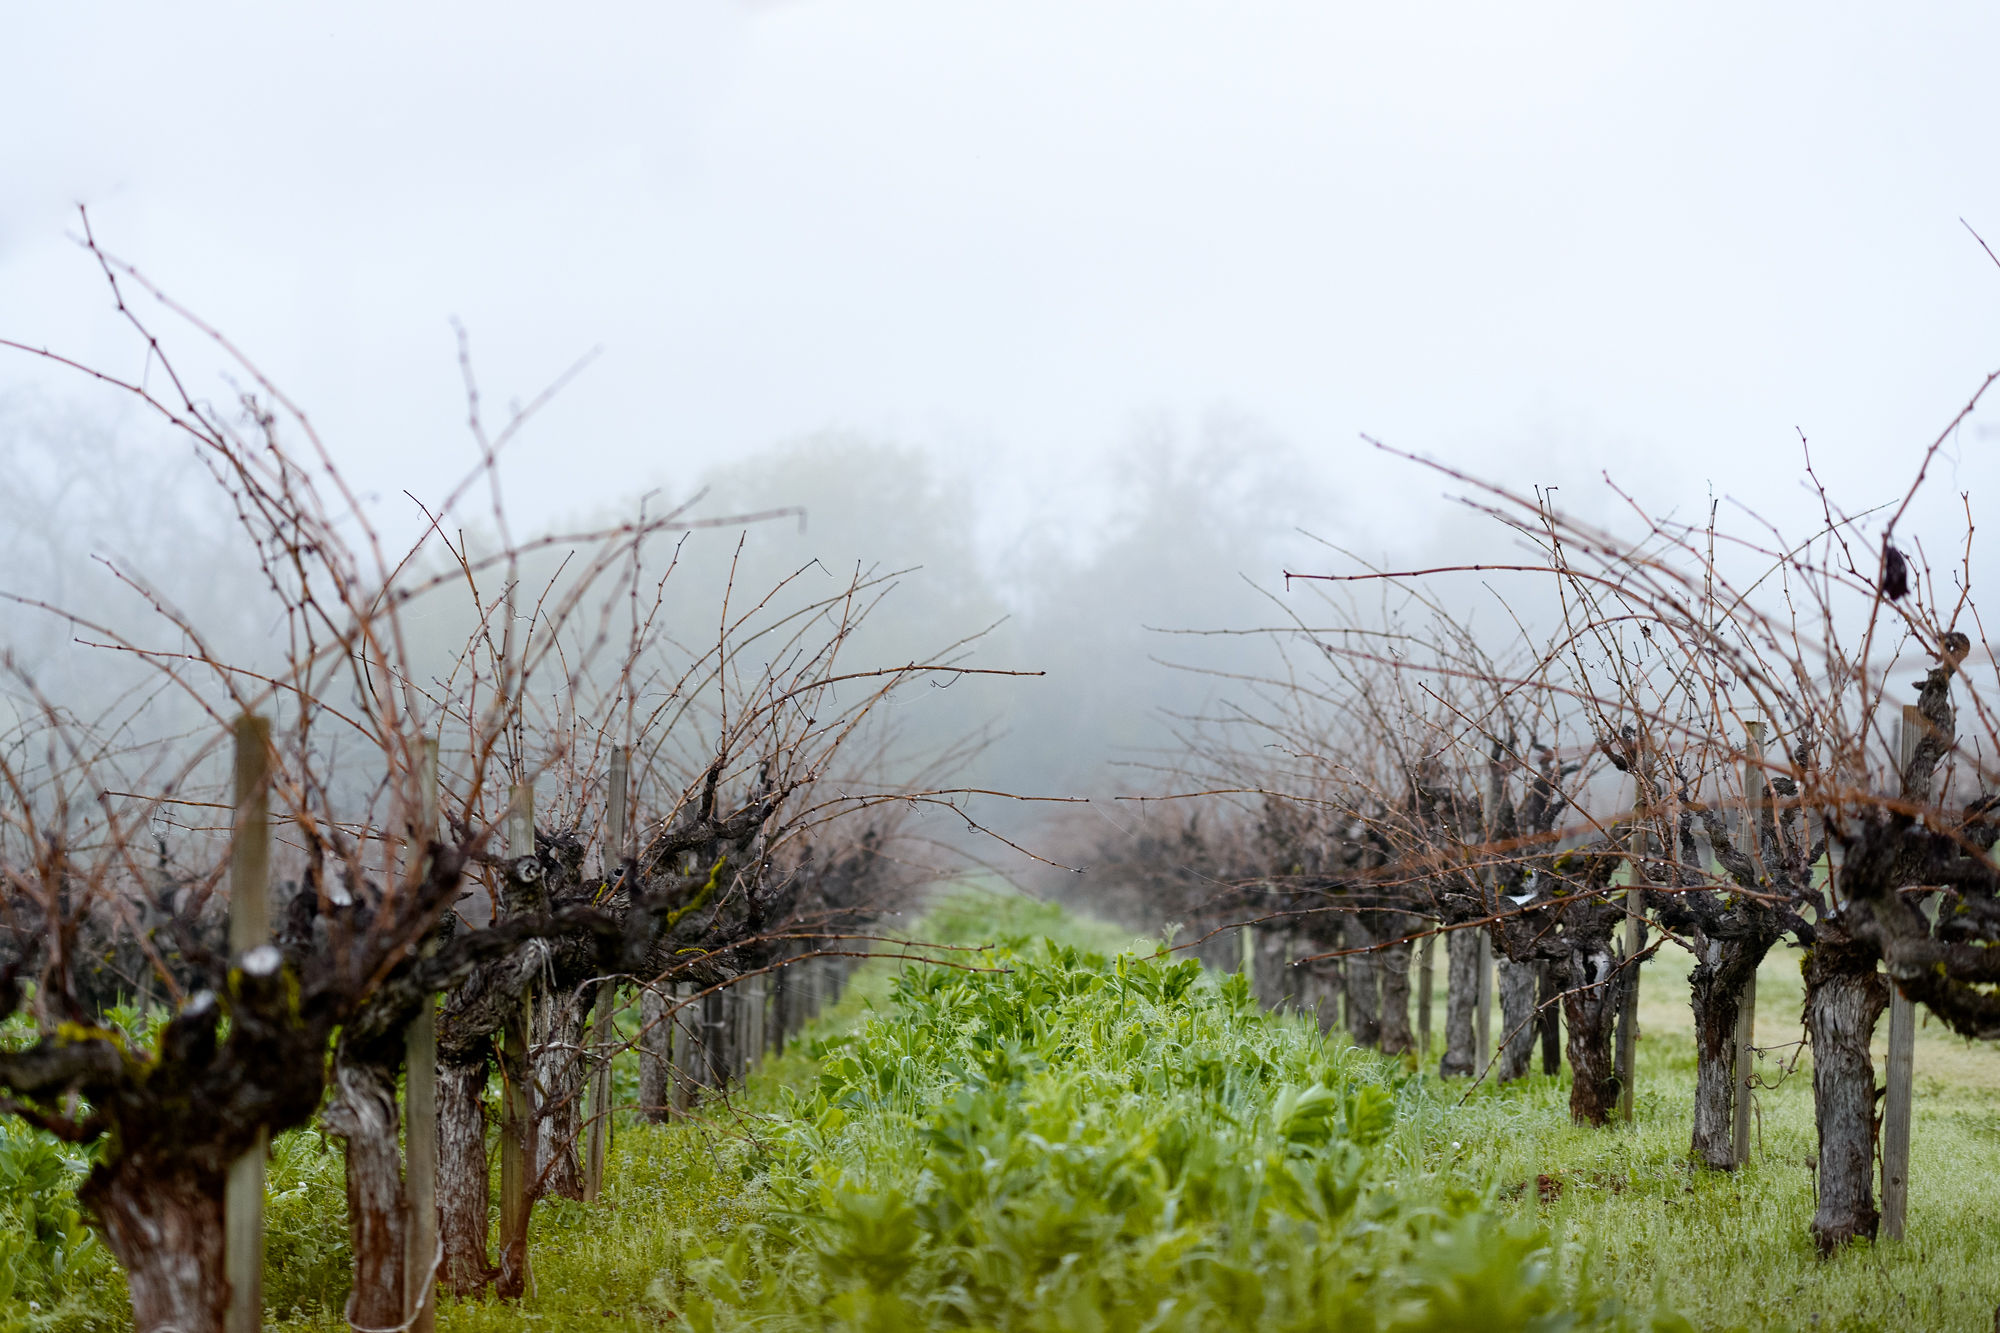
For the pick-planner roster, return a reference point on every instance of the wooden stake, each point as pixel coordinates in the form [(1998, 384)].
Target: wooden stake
[(1489, 831), (1896, 1101), (686, 1076), (1896, 1109), (249, 928), (1625, 1057), (604, 1034), (1424, 998), (755, 1023), (715, 1035), (1742, 1080), (517, 1113), (1482, 1032), (420, 1249)]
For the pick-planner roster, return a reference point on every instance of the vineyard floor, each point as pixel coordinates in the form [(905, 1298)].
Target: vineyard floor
[(983, 1150), (1621, 1210)]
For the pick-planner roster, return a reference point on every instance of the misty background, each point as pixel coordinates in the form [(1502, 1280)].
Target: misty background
[(1077, 312)]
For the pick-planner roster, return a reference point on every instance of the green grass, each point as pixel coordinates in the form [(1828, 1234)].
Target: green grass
[(1733, 1248), (1084, 1143), (1074, 1143)]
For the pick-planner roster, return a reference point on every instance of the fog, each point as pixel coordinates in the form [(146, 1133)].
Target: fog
[(1079, 313)]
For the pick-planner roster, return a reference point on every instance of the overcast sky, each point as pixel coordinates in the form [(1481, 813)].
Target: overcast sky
[(1528, 239)]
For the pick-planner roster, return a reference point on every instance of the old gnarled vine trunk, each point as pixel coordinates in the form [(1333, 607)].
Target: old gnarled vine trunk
[(163, 1222), (656, 1053), (1364, 991), (1715, 1012), (1396, 1036), (1517, 1018), (464, 1192), (1460, 1005), (1844, 998), (559, 1074), (1589, 1007), (363, 1114), (1715, 992)]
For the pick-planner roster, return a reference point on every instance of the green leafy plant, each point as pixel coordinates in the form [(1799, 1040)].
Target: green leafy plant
[(1075, 1140)]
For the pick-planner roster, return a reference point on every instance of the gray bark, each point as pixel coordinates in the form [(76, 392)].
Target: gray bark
[(1397, 1039), (1461, 998), (1517, 1018), (1713, 1142), (559, 1069), (1842, 1006), (1364, 990), (1548, 1020), (164, 1226), (1716, 987), (656, 1055), (715, 1044), (1590, 1006), (363, 1114), (464, 1191)]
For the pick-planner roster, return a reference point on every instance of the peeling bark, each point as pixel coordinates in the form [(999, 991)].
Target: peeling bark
[(1843, 1001), (1548, 1016), (1715, 1014), (1517, 1018), (1461, 999), (559, 1068), (1397, 1038), (1364, 999), (1722, 970), (464, 1189), (163, 1222), (363, 1114), (1589, 1007), (656, 1055)]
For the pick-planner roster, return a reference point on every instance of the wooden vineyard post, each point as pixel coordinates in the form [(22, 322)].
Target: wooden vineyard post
[(1626, 1056), (249, 928), (740, 1054), (1424, 998), (1489, 829), (1744, 1077), (656, 1053), (1628, 1007), (784, 999), (757, 1002), (1896, 1101), (715, 1040), (1896, 1111), (604, 1033), (1482, 1032), (517, 1112), (420, 1249), (685, 1075)]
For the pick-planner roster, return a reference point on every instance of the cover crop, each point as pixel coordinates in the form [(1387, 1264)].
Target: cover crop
[(1084, 1142)]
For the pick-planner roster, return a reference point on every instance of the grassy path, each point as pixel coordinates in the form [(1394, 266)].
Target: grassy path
[(1734, 1249), (1628, 1227)]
